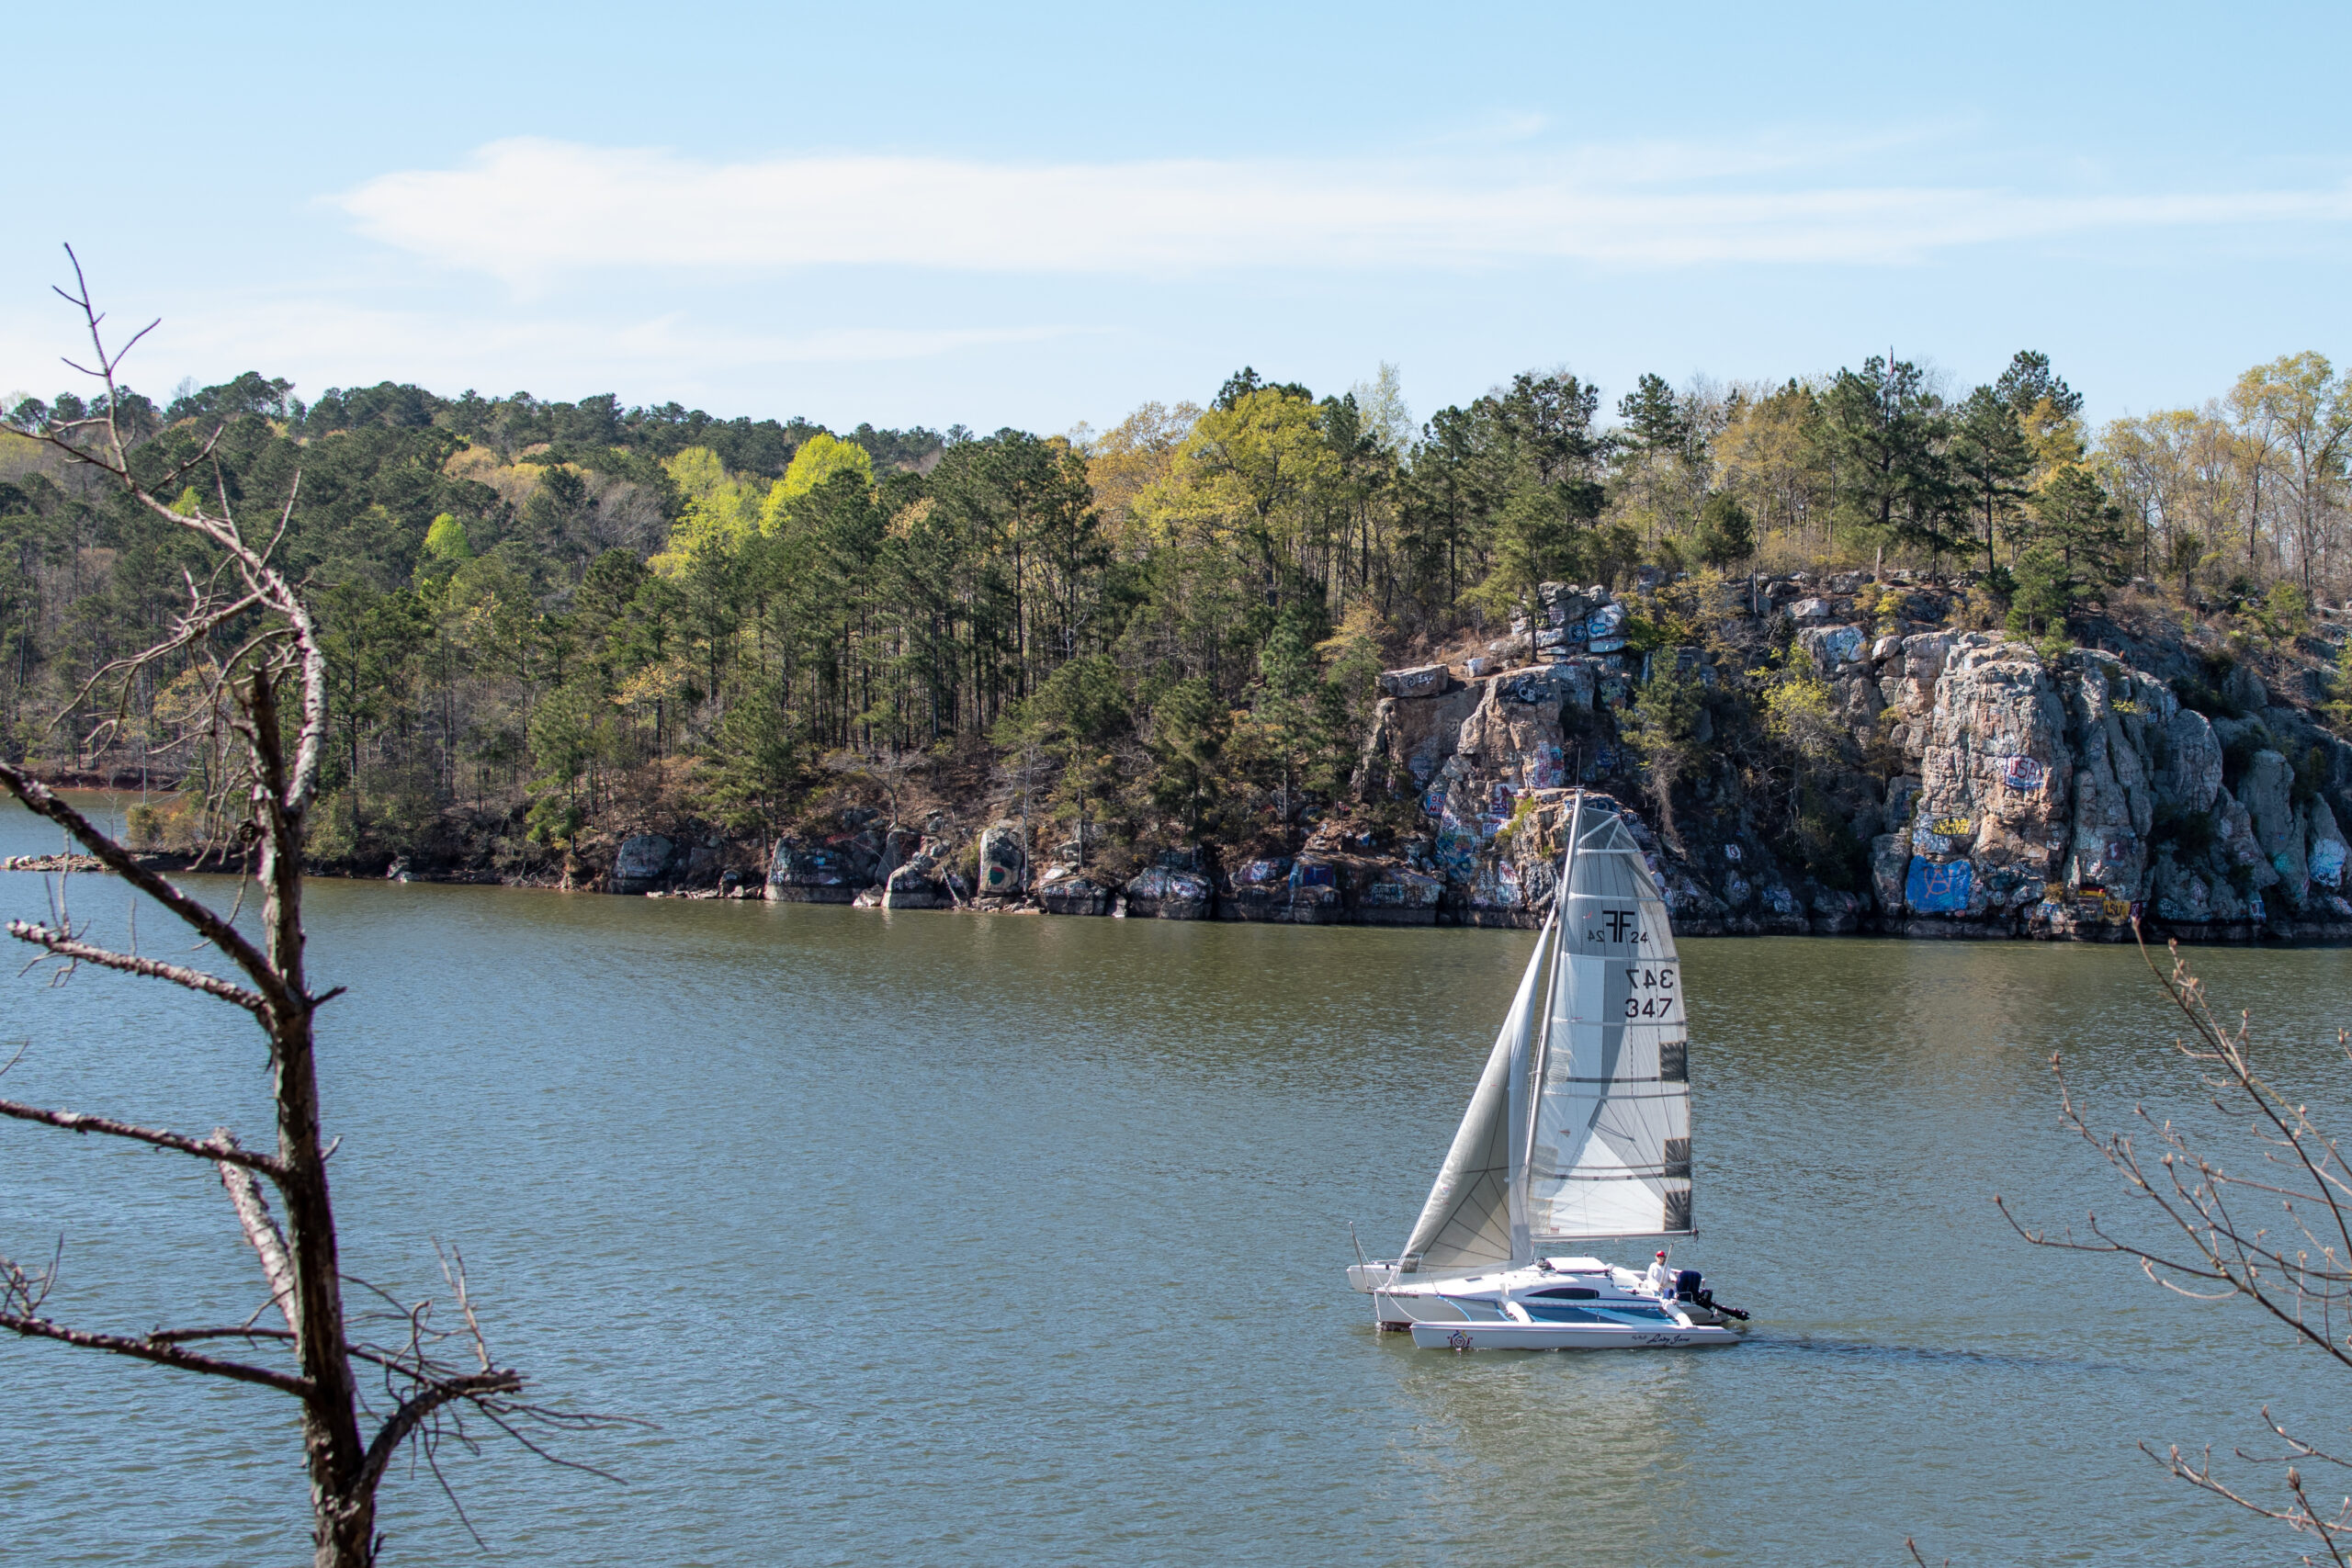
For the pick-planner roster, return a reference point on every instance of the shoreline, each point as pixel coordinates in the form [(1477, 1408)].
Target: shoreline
[(2105, 934)]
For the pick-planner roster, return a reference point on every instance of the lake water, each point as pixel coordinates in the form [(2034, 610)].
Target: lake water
[(936, 1238)]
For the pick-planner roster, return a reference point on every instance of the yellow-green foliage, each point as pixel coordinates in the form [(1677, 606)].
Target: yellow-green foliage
[(2287, 612), (2339, 705), (820, 460), (1797, 713), (720, 512), (447, 540), (1977, 611), (168, 822), (1251, 471), (1521, 814)]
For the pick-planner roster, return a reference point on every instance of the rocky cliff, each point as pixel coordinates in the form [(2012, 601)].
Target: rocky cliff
[(1961, 782)]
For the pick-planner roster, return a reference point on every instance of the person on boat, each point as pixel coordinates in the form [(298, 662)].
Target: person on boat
[(1660, 1278)]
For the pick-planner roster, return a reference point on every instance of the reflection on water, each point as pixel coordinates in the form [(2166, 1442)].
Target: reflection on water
[(932, 1238)]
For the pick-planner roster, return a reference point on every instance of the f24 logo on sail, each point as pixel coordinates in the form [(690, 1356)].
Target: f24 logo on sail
[(1614, 926)]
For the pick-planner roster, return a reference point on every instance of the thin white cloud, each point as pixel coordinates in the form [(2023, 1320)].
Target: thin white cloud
[(332, 330), (320, 342), (529, 210)]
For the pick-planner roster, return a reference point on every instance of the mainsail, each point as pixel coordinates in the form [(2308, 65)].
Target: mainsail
[(1609, 1135), (1580, 1124)]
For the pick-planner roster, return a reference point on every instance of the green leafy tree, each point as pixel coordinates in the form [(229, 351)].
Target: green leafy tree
[(2074, 514), (1800, 715), (1290, 715), (2339, 692), (1189, 725), (2184, 553), (821, 460), (1990, 459), (755, 765), (446, 540), (1664, 729), (1073, 717), (568, 737), (1656, 420), (2043, 590), (1885, 431), (2028, 383), (1537, 538), (373, 643)]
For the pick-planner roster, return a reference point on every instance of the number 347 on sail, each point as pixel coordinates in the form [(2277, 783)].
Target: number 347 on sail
[(1653, 992)]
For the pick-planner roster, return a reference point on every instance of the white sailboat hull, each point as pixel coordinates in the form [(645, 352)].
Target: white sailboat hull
[(1563, 1337), (1565, 1303)]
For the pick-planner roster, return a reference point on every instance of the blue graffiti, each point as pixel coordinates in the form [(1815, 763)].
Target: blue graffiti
[(1934, 888)]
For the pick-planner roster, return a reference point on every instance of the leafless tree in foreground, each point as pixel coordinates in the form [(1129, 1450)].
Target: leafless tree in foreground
[(2276, 1233), (246, 627)]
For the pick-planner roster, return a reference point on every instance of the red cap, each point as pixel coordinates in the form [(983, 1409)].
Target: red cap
[(1661, 1252)]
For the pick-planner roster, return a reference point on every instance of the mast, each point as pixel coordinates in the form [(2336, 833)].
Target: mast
[(1527, 1080)]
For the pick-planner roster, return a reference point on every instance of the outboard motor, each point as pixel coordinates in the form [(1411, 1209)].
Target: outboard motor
[(1687, 1288)]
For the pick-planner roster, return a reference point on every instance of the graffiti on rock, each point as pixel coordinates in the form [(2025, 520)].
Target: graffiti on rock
[(1938, 888)]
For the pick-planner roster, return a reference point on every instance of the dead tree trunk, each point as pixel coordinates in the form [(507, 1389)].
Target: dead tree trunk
[(248, 629)]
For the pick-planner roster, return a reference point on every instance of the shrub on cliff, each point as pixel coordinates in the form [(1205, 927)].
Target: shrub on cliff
[(1726, 534), (1663, 730)]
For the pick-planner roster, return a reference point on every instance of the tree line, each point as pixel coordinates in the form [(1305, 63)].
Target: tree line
[(543, 612)]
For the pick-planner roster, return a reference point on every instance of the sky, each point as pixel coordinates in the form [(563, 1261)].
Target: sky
[(1039, 216)]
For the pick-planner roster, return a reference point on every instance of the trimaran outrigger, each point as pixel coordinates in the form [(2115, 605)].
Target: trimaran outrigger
[(1579, 1131)]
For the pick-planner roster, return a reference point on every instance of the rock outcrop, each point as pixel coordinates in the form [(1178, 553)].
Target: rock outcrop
[(914, 887), (1069, 890), (828, 870), (642, 863), (2031, 796), (1167, 894), (2064, 799), (1003, 866)]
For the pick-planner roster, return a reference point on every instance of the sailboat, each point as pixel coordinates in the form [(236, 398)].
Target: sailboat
[(1579, 1132)]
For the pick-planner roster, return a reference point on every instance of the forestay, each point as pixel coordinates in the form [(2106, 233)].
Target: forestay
[(1607, 1140)]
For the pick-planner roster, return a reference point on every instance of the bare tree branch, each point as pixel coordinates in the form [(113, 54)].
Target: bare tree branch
[(69, 947), (261, 1229), (419, 1408), (38, 798), (162, 1353), (2278, 1235), (212, 1148), (22, 1294)]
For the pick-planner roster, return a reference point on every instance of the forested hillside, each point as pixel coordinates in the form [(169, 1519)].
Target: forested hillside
[(551, 624)]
